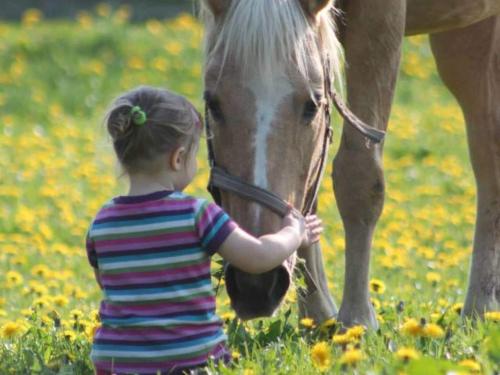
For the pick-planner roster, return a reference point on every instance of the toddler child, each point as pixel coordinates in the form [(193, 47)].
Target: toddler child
[(151, 249)]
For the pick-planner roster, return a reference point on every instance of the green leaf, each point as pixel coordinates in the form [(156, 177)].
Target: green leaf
[(493, 345), (430, 366)]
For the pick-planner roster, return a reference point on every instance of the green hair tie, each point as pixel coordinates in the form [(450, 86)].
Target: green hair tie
[(138, 116)]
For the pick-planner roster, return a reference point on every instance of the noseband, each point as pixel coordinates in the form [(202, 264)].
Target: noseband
[(222, 180)]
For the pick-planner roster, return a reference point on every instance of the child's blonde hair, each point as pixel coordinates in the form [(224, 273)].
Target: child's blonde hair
[(147, 122)]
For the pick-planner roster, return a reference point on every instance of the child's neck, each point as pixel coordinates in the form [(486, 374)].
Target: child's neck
[(141, 184)]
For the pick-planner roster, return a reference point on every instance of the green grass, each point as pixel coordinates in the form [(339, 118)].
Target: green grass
[(56, 80)]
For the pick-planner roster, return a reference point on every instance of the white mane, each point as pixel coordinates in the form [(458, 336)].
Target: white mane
[(265, 36)]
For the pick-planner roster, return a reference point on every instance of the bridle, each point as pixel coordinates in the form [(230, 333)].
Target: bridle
[(220, 179)]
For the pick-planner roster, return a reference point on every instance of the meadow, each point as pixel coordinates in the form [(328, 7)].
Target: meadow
[(57, 169)]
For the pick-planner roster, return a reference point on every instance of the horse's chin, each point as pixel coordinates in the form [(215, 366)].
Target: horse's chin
[(255, 296)]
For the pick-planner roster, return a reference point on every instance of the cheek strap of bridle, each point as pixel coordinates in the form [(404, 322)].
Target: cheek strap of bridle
[(220, 179)]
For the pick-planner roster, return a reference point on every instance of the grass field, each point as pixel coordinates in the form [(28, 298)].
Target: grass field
[(57, 168)]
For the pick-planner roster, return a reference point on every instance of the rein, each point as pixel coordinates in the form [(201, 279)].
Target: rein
[(222, 180)]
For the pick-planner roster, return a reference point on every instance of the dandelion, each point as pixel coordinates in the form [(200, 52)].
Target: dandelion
[(412, 328), (11, 329), (407, 354), (433, 277), (84, 19), (470, 365), (457, 307), (307, 322), (321, 356), (76, 314), (493, 316), (228, 316), (236, 355), (327, 324), (31, 17), (351, 357), (13, 278), (355, 332), (342, 339), (69, 335), (433, 330), (60, 300), (377, 286), (103, 9)]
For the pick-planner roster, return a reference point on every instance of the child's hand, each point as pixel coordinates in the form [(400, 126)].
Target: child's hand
[(314, 228), (296, 221)]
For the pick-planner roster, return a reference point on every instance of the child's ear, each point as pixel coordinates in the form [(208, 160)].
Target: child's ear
[(177, 158)]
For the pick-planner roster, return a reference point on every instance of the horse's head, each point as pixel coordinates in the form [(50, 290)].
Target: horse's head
[(265, 82)]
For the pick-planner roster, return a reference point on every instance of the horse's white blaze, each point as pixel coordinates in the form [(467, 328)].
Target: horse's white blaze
[(268, 97)]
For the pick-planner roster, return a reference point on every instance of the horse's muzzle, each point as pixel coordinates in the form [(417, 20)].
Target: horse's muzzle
[(254, 296)]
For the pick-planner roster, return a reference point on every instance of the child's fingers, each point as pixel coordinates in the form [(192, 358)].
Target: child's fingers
[(315, 224)]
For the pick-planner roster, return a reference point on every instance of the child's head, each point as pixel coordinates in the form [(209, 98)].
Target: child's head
[(148, 124)]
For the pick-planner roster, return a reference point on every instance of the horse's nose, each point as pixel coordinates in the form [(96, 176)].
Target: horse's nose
[(254, 296)]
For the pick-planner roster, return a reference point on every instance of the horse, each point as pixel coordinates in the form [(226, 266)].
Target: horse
[(269, 67)]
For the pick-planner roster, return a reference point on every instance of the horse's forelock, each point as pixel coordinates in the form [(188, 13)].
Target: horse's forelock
[(263, 36)]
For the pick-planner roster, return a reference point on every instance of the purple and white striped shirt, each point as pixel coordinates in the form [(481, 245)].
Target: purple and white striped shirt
[(153, 253)]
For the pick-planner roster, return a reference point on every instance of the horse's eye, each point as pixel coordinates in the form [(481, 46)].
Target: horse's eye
[(310, 110), (213, 106)]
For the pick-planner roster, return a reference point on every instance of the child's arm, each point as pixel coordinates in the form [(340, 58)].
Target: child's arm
[(258, 255)]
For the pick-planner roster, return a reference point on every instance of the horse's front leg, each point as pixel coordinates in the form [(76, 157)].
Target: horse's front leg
[(372, 40), (315, 302)]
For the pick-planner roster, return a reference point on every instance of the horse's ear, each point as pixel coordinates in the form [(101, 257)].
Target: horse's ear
[(313, 7), (218, 7)]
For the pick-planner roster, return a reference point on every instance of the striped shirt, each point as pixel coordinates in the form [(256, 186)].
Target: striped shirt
[(152, 253)]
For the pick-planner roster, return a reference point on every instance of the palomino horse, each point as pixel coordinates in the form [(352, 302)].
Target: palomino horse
[(268, 63)]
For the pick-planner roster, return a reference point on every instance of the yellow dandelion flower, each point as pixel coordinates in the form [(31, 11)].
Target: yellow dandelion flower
[(433, 330), (412, 328), (307, 322), (433, 277), (103, 9), (90, 330), (342, 339), (356, 332), (328, 323), (11, 329), (351, 357), (470, 365), (228, 315), (248, 371), (69, 335), (13, 278), (31, 17), (40, 302), (375, 303), (60, 300), (457, 307), (321, 356), (236, 355), (377, 286), (493, 316), (84, 19), (407, 354)]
